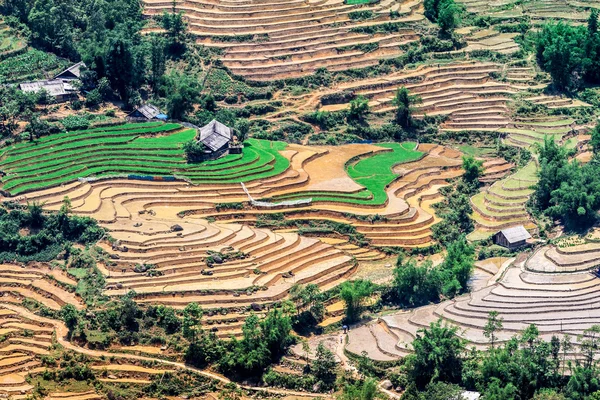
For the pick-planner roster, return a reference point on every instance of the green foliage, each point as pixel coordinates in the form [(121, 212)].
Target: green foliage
[(404, 103), (264, 341), (473, 171), (359, 108), (416, 285), (354, 294), (32, 236), (566, 190), (75, 122), (361, 15), (194, 150), (182, 92), (438, 355), (360, 390), (324, 367), (456, 212), (444, 12), (570, 53)]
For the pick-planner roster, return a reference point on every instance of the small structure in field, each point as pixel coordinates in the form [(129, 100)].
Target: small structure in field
[(71, 73), (62, 91), (217, 139), (512, 237), (146, 112)]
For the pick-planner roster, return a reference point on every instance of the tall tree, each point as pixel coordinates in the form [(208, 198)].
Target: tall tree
[(437, 357), (354, 293), (493, 325)]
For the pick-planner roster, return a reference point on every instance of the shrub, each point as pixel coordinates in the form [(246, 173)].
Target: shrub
[(75, 122)]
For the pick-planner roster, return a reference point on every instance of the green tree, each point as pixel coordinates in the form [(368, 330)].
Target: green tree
[(493, 325), (70, 315), (404, 103), (437, 357), (359, 108), (360, 390), (593, 22), (182, 92), (176, 32), (157, 61), (448, 16), (120, 67), (473, 171), (242, 127), (414, 285), (324, 367), (354, 293), (192, 314), (194, 150), (590, 344)]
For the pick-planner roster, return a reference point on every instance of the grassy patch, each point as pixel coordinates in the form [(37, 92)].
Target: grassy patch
[(373, 173)]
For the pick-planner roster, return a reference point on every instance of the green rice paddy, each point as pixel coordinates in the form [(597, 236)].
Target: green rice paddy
[(373, 173), (151, 148)]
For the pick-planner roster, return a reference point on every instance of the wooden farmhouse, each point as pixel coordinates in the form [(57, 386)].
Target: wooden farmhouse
[(217, 139), (147, 112), (513, 237)]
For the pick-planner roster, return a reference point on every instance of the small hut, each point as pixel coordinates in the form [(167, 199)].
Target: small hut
[(512, 237), (146, 112), (216, 138)]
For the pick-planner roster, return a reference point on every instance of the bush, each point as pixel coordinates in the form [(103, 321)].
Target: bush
[(75, 122), (194, 150)]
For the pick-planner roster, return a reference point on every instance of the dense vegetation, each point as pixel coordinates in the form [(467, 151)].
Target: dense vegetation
[(567, 190), (571, 54), (30, 234)]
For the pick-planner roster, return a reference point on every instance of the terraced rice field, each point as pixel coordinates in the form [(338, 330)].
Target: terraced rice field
[(27, 340), (538, 11), (557, 303), (568, 254), (502, 204), (397, 181), (149, 149), (271, 39), (467, 92)]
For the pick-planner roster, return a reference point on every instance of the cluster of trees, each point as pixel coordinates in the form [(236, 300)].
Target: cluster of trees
[(416, 285), (456, 208), (446, 13), (107, 37), (567, 190), (523, 367), (571, 54), (32, 235)]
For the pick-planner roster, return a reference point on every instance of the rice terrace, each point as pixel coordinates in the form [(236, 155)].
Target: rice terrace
[(301, 199)]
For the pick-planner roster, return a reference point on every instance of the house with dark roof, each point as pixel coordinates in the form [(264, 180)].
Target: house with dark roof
[(71, 73), (61, 90), (216, 138), (147, 112), (512, 237)]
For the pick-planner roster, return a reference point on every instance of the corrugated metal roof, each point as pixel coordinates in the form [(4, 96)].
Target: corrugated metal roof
[(148, 111), (54, 87), (215, 135), (516, 234), (75, 69)]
